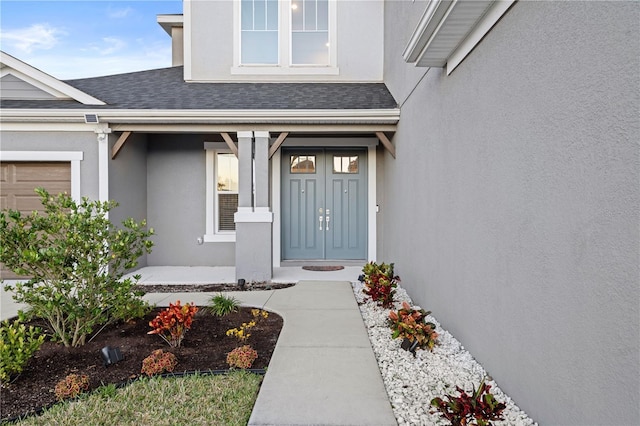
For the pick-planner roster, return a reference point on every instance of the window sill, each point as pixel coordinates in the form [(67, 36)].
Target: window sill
[(219, 238), (286, 70)]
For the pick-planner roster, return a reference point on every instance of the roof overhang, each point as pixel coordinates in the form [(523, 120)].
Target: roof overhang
[(449, 29), (44, 81), (138, 120), (169, 21)]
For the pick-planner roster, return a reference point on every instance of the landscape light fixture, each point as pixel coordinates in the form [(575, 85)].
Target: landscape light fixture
[(111, 355)]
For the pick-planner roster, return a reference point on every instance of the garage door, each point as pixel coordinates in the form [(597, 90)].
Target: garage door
[(18, 181)]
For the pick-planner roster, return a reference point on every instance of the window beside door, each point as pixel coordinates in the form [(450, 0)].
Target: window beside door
[(222, 195)]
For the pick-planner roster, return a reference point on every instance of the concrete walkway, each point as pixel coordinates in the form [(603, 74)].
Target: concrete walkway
[(323, 370)]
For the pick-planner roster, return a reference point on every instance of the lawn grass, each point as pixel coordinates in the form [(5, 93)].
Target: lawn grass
[(192, 400)]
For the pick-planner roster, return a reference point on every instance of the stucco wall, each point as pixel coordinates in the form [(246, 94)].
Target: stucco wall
[(128, 182), (85, 142), (176, 203), (519, 173), (359, 39)]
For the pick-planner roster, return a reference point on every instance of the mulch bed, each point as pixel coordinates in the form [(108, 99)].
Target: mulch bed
[(204, 347), (323, 268), (209, 288)]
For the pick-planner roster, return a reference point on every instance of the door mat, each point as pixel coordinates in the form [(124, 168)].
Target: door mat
[(322, 268)]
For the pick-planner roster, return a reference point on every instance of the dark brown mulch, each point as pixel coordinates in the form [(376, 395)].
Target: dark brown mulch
[(204, 347), (209, 288)]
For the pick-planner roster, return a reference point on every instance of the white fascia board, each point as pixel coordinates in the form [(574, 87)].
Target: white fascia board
[(427, 25), (206, 116), (47, 82), (169, 21)]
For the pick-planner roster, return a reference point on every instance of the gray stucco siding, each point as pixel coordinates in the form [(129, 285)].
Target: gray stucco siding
[(84, 142), (524, 191), (176, 205), (128, 181)]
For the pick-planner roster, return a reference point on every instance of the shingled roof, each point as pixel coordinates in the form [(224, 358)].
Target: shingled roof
[(165, 89)]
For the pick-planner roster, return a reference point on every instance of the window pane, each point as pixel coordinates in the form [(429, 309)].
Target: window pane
[(227, 206), (247, 14), (310, 48), (323, 14), (259, 15), (227, 173), (272, 15), (303, 163), (297, 14), (309, 15), (259, 47), (345, 164)]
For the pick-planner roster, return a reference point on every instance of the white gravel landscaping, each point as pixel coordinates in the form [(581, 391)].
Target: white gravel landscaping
[(412, 382)]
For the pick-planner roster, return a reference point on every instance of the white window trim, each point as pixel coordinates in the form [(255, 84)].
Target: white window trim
[(73, 157), (284, 66), (211, 236)]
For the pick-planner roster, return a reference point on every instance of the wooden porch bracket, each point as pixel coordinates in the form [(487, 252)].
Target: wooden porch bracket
[(277, 143), (387, 143), (119, 144), (232, 146)]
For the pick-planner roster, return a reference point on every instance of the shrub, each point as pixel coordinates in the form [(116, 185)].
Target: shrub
[(172, 323), (17, 345), (71, 386), (241, 333), (222, 305), (242, 357), (159, 362), (76, 259), (380, 281), (411, 324), (479, 408)]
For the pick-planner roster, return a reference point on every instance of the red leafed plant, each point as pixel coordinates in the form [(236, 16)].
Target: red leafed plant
[(172, 323), (71, 386), (411, 324), (159, 362), (479, 408), (242, 357), (379, 282)]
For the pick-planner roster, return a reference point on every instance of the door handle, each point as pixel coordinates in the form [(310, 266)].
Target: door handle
[(320, 220), (328, 218)]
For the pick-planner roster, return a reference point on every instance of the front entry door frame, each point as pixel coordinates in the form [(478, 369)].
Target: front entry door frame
[(276, 187)]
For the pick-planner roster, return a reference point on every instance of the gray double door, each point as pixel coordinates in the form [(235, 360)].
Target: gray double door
[(324, 204)]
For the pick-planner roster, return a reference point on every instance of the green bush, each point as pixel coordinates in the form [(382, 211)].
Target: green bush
[(221, 305), (17, 345), (76, 259)]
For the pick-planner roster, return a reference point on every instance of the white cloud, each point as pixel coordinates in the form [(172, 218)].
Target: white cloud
[(119, 13), (35, 37), (111, 45)]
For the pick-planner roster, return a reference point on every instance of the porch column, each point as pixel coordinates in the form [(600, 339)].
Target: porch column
[(254, 218)]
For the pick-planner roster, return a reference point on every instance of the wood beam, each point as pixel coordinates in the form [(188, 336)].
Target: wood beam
[(232, 146), (119, 144), (277, 143), (387, 143)]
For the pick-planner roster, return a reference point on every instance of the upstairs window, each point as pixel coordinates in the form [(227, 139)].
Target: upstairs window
[(310, 32), (259, 32), (285, 37)]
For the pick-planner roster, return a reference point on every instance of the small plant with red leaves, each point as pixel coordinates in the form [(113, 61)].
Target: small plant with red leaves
[(172, 323), (380, 282), (71, 386), (242, 357), (159, 362), (479, 408), (411, 324)]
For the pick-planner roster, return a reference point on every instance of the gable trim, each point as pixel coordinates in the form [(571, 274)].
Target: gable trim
[(44, 81)]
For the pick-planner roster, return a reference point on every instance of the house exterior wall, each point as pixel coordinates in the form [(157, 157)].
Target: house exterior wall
[(176, 171), (39, 141), (11, 87), (128, 182), (519, 172), (210, 32)]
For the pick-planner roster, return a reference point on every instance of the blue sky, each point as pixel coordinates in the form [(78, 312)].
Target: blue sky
[(76, 39)]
